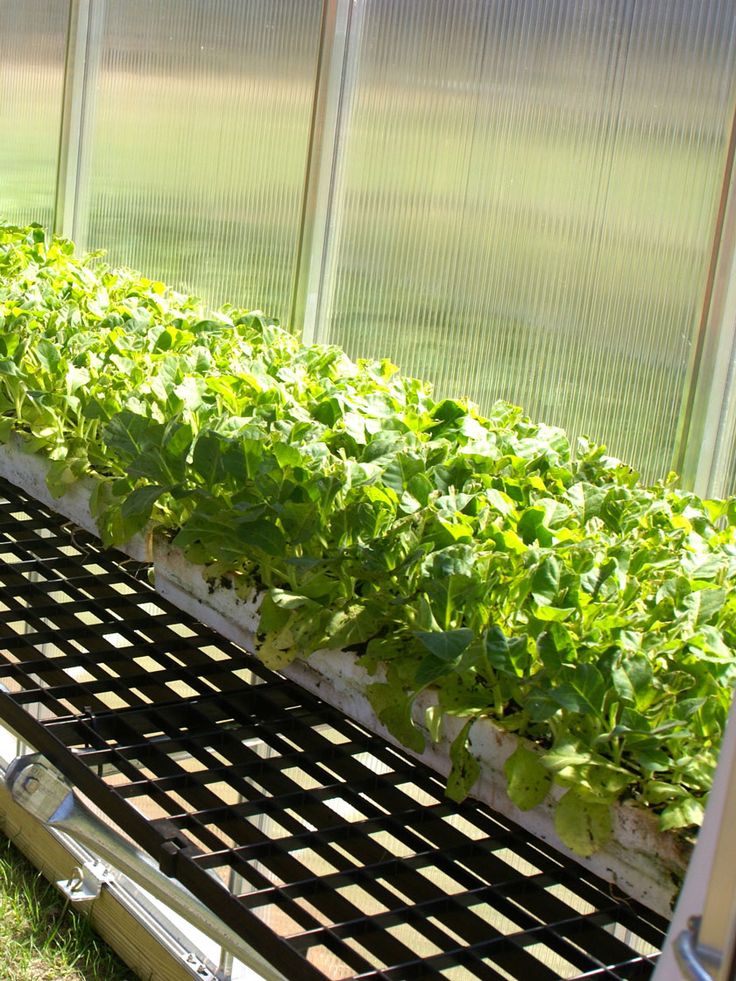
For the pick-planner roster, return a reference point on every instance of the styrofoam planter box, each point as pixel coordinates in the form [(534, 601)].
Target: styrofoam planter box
[(641, 860)]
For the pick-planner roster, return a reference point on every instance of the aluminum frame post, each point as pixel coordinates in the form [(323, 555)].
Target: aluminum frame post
[(333, 95), (701, 941), (704, 413), (84, 36)]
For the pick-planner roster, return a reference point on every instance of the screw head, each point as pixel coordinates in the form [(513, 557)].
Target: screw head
[(31, 784)]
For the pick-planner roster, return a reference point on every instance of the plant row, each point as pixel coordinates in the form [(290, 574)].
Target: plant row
[(551, 592)]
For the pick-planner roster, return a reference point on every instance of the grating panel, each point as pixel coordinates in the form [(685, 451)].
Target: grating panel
[(329, 850)]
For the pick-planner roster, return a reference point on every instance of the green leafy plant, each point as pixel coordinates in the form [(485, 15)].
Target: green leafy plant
[(475, 555)]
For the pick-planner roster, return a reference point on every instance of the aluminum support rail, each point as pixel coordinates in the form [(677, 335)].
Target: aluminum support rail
[(40, 789)]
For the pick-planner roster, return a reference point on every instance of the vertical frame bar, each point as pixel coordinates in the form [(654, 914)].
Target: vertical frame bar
[(708, 888), (82, 56), (702, 419), (336, 68)]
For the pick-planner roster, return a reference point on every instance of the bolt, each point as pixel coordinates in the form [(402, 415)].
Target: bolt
[(31, 784)]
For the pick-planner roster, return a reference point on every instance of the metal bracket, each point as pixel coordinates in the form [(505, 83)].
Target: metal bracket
[(692, 957), (85, 883), (201, 970)]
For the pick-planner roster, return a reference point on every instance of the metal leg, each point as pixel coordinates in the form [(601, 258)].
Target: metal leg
[(42, 791)]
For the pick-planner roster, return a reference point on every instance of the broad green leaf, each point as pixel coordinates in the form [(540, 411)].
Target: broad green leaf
[(7, 426), (566, 755), (449, 410), (497, 646), (191, 392), (597, 780), (400, 471), (289, 601), (509, 655), (531, 527), (584, 691), (583, 825), (48, 356), (528, 780), (261, 534), (660, 792), (273, 616), (393, 709), (701, 606), (299, 521), (465, 768), (586, 499), (455, 560), (286, 455), (546, 580), (446, 645), (555, 645), (207, 458), (10, 368), (61, 475), (113, 528), (136, 509), (431, 668), (278, 650), (355, 426), (682, 813), (709, 640), (355, 624), (553, 614), (126, 433), (500, 501)]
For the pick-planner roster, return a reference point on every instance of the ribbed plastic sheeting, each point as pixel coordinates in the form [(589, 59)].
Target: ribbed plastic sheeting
[(526, 203), (32, 49), (198, 132)]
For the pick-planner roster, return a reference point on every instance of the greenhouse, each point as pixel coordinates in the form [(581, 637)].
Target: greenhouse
[(367, 475)]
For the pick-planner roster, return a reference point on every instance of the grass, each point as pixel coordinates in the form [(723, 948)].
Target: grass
[(41, 939)]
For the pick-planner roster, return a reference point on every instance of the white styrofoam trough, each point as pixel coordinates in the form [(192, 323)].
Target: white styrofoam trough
[(639, 859)]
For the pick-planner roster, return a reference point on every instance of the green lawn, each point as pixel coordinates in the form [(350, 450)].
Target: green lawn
[(41, 939)]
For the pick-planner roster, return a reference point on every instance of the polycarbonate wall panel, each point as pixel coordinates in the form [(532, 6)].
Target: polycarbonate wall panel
[(526, 200), (32, 51), (197, 142)]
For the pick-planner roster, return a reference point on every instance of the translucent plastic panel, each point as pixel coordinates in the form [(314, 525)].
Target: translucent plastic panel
[(198, 137), (32, 51), (526, 202)]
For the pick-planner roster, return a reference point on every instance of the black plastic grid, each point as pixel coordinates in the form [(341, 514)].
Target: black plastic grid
[(327, 849)]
